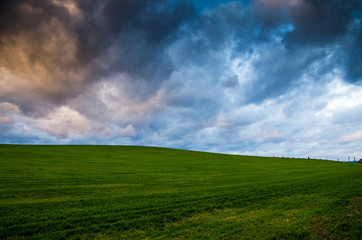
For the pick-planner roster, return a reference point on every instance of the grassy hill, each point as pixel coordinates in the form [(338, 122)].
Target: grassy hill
[(126, 192)]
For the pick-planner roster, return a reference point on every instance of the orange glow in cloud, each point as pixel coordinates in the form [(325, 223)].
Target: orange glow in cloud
[(39, 62)]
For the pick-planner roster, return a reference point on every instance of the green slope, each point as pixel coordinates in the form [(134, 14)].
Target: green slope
[(121, 192)]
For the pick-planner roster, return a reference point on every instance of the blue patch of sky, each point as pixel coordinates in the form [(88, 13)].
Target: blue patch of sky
[(201, 5)]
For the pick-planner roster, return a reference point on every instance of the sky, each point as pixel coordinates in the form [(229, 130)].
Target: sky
[(256, 77)]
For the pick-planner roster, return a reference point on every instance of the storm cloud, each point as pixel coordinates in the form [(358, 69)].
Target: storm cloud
[(266, 77)]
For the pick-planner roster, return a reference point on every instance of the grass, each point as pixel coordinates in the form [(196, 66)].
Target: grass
[(128, 192)]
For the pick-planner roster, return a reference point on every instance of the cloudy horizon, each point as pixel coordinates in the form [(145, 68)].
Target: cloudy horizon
[(253, 77)]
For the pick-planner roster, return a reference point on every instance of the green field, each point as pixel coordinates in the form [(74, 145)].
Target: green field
[(126, 192)]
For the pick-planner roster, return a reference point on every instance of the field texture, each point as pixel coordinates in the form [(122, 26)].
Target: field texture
[(119, 192)]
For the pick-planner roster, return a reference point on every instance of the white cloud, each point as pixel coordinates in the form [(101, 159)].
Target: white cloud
[(9, 108), (64, 122), (352, 137), (6, 119), (128, 131), (7, 111)]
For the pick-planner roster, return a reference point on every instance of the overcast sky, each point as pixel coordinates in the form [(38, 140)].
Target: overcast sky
[(256, 77)]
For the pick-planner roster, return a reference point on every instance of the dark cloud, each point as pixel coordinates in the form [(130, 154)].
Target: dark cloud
[(353, 56), (300, 39), (136, 35), (70, 44), (321, 22)]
